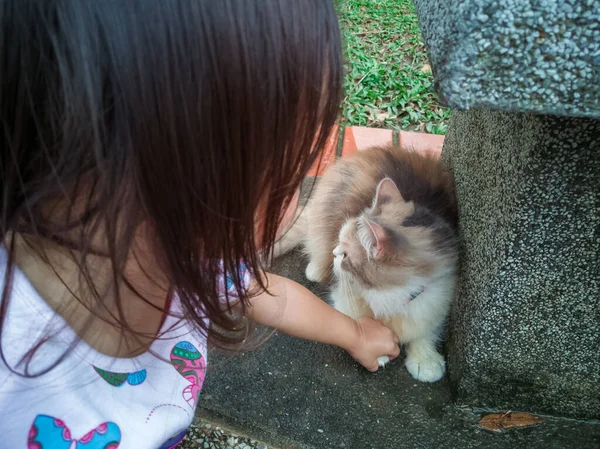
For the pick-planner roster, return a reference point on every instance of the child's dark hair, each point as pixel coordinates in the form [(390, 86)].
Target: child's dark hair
[(187, 115)]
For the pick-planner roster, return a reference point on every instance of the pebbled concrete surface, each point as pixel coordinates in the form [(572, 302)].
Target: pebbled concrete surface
[(525, 327), (521, 55)]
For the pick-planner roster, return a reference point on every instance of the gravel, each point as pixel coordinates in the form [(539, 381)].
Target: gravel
[(206, 436)]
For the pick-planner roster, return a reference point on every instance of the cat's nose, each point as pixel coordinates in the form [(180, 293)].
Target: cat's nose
[(338, 251)]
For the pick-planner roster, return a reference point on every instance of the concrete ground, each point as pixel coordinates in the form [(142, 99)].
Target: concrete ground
[(292, 393)]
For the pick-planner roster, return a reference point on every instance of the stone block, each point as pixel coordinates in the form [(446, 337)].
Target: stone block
[(523, 55), (524, 332)]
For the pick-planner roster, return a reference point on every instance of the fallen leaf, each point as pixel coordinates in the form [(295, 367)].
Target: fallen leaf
[(497, 422), (426, 68), (379, 115)]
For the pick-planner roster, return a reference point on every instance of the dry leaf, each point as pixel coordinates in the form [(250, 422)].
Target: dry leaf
[(426, 68), (497, 422), (379, 116)]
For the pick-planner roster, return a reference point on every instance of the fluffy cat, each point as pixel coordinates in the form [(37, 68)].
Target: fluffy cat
[(383, 225)]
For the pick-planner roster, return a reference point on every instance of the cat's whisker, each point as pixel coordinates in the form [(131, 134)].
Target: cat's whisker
[(352, 300), (330, 283)]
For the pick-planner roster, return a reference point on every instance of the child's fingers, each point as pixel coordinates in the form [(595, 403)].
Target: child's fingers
[(392, 334), (374, 367), (395, 352)]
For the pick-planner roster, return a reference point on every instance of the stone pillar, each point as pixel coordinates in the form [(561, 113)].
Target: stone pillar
[(524, 332), (525, 329)]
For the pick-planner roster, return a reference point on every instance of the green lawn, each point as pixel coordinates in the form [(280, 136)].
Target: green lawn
[(389, 82)]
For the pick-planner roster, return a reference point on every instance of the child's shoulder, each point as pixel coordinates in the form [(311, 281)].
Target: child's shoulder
[(87, 395)]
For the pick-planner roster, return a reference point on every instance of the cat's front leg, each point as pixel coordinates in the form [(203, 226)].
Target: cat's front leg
[(319, 250), (424, 362), (317, 271)]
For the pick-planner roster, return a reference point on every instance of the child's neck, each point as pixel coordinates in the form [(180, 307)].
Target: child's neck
[(99, 330)]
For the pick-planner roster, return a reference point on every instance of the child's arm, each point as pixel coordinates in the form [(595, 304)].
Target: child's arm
[(294, 310)]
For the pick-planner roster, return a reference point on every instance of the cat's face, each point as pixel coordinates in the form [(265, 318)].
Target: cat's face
[(381, 247)]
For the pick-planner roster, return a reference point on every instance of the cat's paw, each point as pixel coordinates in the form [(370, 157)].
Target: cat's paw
[(314, 273), (428, 366), (383, 360)]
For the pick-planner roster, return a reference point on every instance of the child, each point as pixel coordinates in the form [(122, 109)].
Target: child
[(148, 147)]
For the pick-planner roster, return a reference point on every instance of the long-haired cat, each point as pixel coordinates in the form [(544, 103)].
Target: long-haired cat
[(384, 223)]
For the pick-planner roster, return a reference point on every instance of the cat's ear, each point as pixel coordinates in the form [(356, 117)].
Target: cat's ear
[(377, 242), (387, 192)]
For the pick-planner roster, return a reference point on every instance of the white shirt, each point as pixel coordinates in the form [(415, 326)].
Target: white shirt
[(90, 400)]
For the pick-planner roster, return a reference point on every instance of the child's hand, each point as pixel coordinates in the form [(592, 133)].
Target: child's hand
[(373, 340), (294, 310)]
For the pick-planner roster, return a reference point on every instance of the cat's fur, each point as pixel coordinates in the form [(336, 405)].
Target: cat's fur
[(385, 222)]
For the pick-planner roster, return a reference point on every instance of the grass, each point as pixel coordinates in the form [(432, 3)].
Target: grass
[(388, 82)]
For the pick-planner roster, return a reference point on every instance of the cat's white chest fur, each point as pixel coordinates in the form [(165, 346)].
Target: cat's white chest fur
[(393, 301), (416, 320)]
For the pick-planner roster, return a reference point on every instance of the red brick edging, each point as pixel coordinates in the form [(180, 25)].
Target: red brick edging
[(359, 138)]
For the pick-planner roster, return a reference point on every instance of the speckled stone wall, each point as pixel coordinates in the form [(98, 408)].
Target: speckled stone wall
[(524, 332), (525, 55)]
